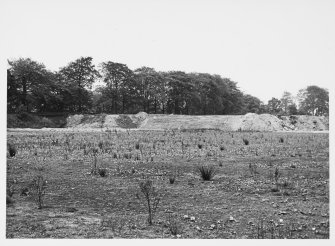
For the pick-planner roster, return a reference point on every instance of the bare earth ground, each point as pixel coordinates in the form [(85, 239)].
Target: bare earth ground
[(240, 201)]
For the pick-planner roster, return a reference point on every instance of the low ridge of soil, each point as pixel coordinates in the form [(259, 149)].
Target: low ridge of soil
[(248, 122)]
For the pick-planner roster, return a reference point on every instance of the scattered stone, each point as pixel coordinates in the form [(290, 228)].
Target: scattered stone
[(185, 217), (192, 218), (281, 221), (231, 218), (212, 227), (198, 228), (178, 236)]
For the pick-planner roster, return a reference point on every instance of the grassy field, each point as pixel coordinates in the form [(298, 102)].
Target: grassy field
[(265, 185)]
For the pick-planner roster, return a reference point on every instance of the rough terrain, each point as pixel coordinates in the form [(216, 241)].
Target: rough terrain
[(245, 198)]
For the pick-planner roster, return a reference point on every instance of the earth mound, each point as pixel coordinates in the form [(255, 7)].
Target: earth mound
[(106, 121), (263, 122), (248, 122)]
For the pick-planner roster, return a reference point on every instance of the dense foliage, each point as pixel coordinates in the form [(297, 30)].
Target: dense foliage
[(31, 87)]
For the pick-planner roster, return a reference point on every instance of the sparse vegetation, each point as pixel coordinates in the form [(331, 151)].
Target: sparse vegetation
[(242, 180)]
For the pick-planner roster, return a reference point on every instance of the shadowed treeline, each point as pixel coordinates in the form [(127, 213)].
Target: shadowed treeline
[(31, 87)]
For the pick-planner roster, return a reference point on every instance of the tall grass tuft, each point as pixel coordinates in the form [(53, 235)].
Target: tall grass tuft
[(11, 150), (207, 173), (245, 141)]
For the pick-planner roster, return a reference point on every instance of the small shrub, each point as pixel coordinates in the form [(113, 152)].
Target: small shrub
[(200, 146), (222, 148), (39, 186), (220, 163), (245, 141), (137, 146), (281, 140), (151, 198), (206, 172)]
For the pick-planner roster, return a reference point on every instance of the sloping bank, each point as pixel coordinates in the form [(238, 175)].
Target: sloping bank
[(248, 122)]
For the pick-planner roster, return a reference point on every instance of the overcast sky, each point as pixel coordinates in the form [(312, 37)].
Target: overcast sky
[(266, 46)]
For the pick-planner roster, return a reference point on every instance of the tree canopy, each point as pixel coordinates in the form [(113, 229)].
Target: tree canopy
[(31, 87)]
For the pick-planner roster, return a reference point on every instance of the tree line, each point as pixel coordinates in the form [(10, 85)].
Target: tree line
[(31, 87)]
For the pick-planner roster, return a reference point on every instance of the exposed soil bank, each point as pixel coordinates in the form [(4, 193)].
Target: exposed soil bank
[(248, 122)]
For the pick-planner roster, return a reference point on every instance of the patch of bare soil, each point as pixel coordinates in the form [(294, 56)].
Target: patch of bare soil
[(245, 198)]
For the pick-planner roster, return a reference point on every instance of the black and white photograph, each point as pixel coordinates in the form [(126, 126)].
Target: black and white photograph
[(157, 119)]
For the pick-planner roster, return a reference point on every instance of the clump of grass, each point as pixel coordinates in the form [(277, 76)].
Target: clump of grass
[(11, 150), (253, 169), (275, 188), (115, 223), (9, 200), (102, 172), (127, 155), (220, 163), (207, 173), (172, 178), (276, 175), (173, 225), (9, 193), (245, 141)]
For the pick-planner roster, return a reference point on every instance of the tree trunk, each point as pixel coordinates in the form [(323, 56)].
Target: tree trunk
[(24, 99), (155, 105)]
